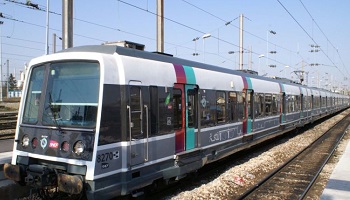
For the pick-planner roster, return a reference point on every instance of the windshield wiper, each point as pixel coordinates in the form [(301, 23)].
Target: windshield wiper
[(55, 109)]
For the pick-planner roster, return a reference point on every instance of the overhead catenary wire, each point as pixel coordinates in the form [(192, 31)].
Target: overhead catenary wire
[(304, 30), (324, 34), (179, 23), (116, 29), (192, 28), (230, 23)]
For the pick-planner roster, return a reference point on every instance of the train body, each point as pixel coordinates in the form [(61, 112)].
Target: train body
[(109, 121)]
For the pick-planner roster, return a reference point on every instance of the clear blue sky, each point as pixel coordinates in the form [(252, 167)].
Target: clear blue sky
[(95, 22)]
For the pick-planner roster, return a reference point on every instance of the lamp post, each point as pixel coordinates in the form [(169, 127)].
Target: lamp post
[(204, 37), (260, 56), (285, 71), (232, 52)]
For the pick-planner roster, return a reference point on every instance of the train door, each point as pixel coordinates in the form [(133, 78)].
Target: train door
[(248, 111), (138, 130), (185, 112), (284, 107)]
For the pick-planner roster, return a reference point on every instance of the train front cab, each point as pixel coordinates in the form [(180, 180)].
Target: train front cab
[(54, 140)]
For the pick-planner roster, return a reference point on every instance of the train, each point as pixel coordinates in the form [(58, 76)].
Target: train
[(107, 121)]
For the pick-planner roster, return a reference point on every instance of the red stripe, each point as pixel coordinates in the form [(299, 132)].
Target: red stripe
[(180, 73), (245, 83)]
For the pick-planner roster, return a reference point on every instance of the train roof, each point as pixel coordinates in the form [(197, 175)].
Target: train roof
[(156, 56)]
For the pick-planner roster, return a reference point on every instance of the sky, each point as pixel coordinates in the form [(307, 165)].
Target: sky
[(298, 25)]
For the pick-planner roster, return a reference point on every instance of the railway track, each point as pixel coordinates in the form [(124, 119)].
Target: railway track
[(295, 178), (238, 181), (8, 121)]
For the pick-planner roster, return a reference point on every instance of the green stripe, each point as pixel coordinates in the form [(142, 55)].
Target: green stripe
[(249, 125), (190, 77), (250, 85)]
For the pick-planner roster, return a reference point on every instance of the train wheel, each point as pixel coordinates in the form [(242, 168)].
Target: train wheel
[(50, 193)]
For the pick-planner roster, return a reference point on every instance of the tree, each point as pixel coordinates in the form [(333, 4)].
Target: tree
[(12, 83)]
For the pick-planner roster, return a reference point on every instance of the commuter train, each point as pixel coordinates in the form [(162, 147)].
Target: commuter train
[(108, 121)]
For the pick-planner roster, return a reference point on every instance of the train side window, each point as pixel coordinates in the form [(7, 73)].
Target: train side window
[(111, 117), (240, 106), (177, 103), (208, 108), (31, 109), (303, 102), (232, 100), (258, 105), (268, 104), (309, 102), (316, 101), (136, 111), (221, 107), (324, 101), (165, 123), (154, 112), (291, 103), (275, 104), (297, 103)]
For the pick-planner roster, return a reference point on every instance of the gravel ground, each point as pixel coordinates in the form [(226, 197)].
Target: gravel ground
[(244, 175)]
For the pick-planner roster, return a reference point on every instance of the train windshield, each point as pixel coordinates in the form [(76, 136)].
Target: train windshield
[(70, 92)]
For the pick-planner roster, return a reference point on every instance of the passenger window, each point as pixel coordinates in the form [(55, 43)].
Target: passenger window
[(240, 106), (268, 104), (233, 106), (208, 108), (220, 107), (165, 108), (275, 104), (136, 112), (258, 105), (154, 113)]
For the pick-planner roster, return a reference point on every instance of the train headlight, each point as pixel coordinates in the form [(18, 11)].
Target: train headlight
[(79, 148), (35, 142), (25, 141), (65, 146)]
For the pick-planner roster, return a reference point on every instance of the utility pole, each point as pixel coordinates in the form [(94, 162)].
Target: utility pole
[(241, 42), (47, 27), (8, 77), (1, 23), (160, 26), (67, 24)]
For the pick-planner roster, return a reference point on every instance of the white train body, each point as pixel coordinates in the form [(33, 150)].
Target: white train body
[(109, 121)]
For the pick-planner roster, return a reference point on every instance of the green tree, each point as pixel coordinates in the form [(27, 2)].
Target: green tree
[(12, 83)]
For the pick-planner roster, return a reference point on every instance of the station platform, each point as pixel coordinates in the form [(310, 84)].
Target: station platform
[(338, 186)]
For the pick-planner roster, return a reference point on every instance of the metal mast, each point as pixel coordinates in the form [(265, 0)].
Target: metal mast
[(160, 26), (67, 24)]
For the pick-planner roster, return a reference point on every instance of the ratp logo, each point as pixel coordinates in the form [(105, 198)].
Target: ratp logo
[(43, 141)]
